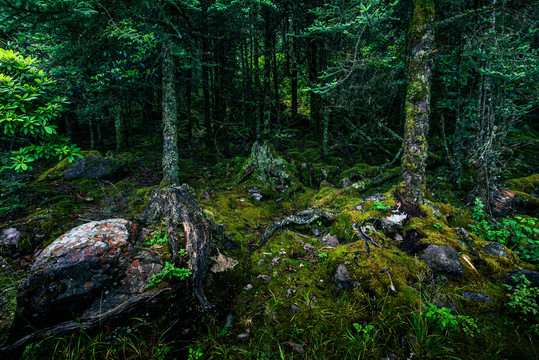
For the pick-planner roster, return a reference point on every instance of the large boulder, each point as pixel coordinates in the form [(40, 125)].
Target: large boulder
[(96, 166), (443, 259), (85, 272)]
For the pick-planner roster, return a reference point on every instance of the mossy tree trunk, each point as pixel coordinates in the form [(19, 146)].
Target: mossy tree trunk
[(170, 131), (417, 102), (176, 207)]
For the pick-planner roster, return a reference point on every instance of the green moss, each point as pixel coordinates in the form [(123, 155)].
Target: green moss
[(57, 170), (525, 184)]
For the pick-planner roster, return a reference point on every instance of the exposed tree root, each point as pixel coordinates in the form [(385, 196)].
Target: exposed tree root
[(176, 207), (305, 217), (120, 312)]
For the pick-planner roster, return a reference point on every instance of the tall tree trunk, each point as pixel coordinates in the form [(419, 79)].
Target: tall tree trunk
[(119, 127), (170, 131), (417, 102), (92, 134)]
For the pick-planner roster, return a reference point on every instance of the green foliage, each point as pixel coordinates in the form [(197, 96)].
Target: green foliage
[(379, 205), (447, 323), (362, 339), (157, 239), (322, 256), (437, 225), (10, 193), (522, 297), (28, 110), (519, 234), (195, 354), (168, 272)]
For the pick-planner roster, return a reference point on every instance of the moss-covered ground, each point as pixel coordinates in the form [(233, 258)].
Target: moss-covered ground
[(280, 301)]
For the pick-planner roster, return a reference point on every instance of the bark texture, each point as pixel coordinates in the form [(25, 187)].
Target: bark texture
[(417, 102), (176, 207), (170, 131)]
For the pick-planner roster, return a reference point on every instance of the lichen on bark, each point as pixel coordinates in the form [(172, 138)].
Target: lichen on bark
[(170, 131), (417, 102)]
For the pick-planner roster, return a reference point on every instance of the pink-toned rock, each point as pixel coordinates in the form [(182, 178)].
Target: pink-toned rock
[(90, 269)]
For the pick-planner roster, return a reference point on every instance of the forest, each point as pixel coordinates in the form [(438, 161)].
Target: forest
[(269, 179)]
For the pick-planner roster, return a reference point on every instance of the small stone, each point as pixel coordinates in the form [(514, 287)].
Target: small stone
[(496, 249), (330, 240), (256, 196), (393, 222), (389, 356), (265, 278), (290, 292), (205, 195), (275, 260), (294, 308), (243, 336), (345, 182), (342, 278), (261, 262), (295, 347), (399, 237), (248, 287), (475, 296), (316, 232), (443, 259), (9, 238)]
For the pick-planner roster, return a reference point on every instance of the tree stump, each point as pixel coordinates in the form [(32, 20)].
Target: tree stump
[(176, 207), (265, 168)]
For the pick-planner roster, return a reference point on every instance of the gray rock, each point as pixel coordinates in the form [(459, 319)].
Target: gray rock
[(261, 262), (248, 287), (475, 296), (295, 348), (96, 166), (443, 259), (265, 278), (393, 222), (496, 249), (9, 239), (87, 271), (330, 240), (342, 278), (294, 308), (389, 356), (256, 196), (532, 276)]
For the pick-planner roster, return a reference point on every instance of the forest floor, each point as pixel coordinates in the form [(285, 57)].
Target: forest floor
[(290, 298)]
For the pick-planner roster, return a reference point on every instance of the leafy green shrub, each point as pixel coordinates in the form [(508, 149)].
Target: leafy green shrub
[(522, 297), (28, 110), (168, 272), (445, 322), (519, 234)]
